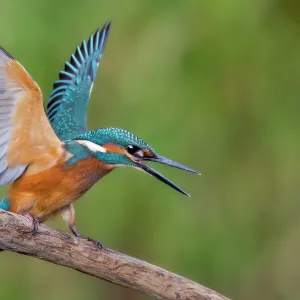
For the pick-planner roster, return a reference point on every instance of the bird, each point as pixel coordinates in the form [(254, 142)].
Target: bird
[(48, 156)]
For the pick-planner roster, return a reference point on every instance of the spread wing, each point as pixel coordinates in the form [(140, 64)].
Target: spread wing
[(26, 136), (67, 106)]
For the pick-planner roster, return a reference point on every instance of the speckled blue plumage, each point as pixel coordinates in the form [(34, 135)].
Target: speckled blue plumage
[(81, 152), (117, 136), (67, 106)]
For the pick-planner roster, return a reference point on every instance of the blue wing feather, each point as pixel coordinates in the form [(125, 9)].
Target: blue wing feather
[(67, 106)]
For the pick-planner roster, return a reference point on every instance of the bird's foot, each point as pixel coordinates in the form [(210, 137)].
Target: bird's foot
[(33, 221), (77, 234), (96, 243)]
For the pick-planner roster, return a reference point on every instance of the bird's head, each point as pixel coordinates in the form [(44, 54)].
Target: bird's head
[(118, 147)]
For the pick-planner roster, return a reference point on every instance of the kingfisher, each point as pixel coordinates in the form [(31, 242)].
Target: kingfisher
[(49, 156)]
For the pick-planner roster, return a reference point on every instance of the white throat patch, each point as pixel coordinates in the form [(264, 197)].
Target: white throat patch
[(92, 146)]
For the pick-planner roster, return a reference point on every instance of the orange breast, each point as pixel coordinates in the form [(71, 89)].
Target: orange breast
[(43, 194)]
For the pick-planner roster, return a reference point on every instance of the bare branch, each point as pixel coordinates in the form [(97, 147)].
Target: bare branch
[(62, 249)]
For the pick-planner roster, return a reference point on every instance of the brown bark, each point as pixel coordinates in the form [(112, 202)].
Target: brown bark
[(62, 249)]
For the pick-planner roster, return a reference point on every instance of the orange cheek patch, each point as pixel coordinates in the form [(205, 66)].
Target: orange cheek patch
[(147, 153), (111, 148)]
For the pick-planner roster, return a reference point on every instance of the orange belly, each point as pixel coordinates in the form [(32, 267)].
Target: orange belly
[(43, 194)]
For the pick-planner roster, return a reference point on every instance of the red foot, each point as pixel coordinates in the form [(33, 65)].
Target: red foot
[(34, 222)]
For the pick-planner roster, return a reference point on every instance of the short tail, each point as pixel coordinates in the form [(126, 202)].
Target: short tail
[(4, 204)]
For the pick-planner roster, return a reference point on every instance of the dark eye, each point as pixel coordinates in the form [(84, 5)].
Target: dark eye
[(134, 150)]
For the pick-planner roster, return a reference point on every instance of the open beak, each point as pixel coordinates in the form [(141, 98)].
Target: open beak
[(165, 161)]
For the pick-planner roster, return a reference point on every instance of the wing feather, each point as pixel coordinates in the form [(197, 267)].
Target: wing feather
[(67, 106), (26, 136)]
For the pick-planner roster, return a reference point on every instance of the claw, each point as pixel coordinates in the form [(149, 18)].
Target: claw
[(34, 222), (76, 233), (96, 243)]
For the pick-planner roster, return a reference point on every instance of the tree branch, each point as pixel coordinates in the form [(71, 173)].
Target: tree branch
[(62, 249)]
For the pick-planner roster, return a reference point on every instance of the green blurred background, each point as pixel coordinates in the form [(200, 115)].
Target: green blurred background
[(212, 84)]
